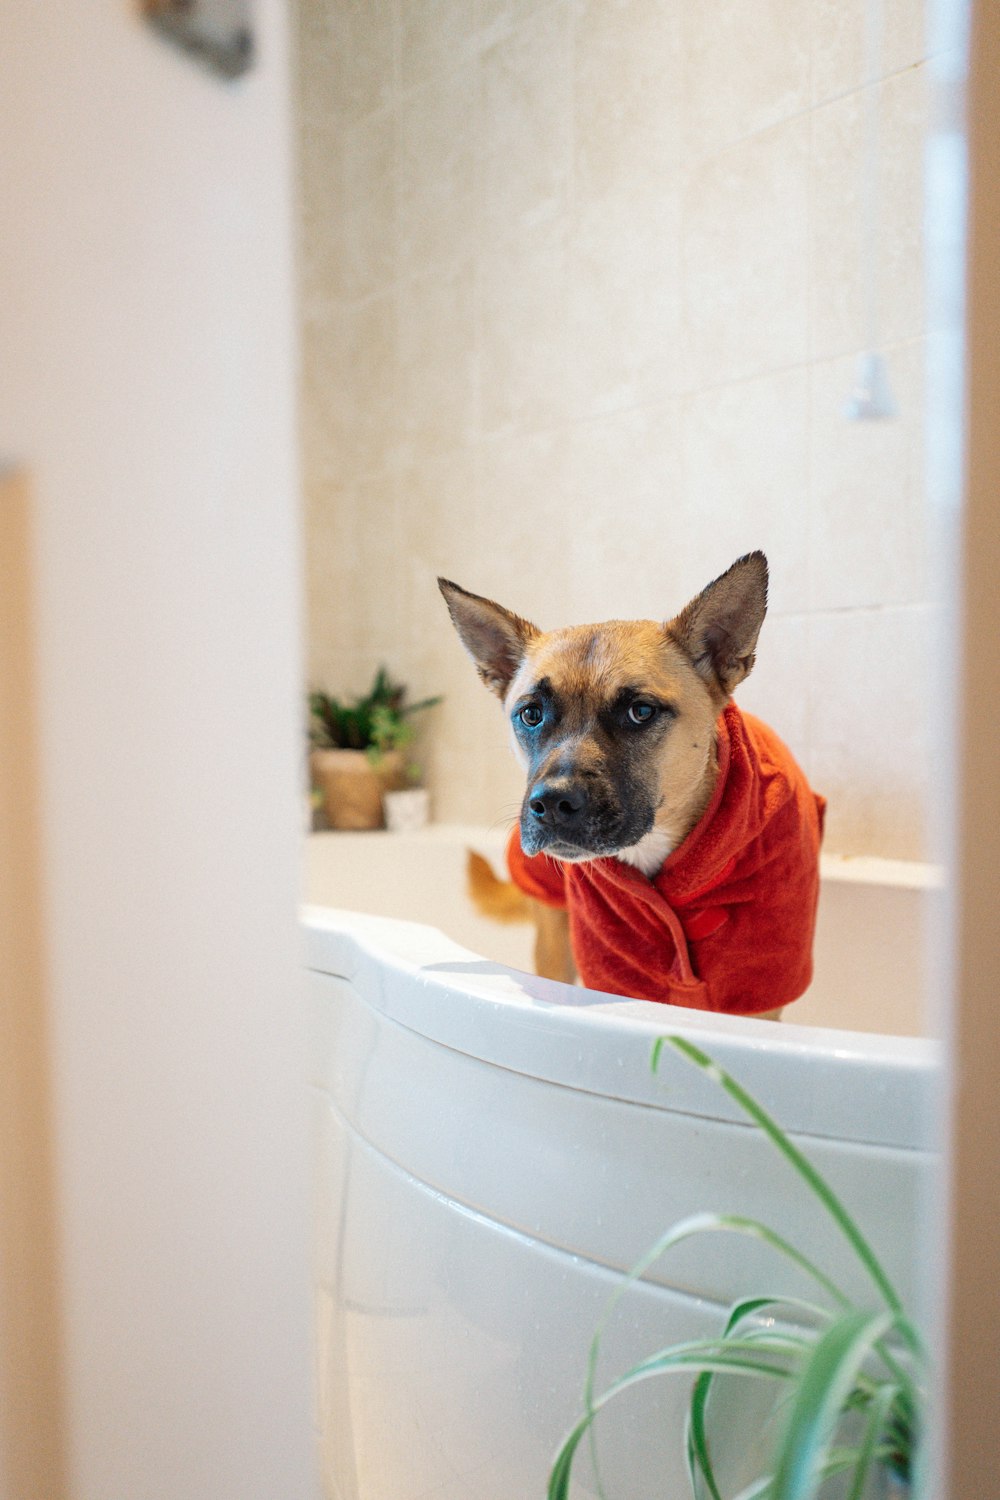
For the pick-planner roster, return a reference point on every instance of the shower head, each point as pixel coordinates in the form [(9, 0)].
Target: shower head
[(871, 398)]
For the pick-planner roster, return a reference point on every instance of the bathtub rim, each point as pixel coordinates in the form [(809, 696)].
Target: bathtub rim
[(850, 869), (418, 977)]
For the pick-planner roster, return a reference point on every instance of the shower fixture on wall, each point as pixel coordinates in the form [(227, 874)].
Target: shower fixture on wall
[(871, 397), (219, 33)]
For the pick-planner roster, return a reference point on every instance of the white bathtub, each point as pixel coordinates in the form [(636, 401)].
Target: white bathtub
[(494, 1153)]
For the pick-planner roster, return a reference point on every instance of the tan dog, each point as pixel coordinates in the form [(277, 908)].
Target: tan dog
[(616, 726)]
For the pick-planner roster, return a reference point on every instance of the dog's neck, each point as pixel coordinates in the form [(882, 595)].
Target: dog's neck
[(674, 823)]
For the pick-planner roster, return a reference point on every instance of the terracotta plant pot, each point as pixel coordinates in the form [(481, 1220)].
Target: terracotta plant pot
[(352, 786)]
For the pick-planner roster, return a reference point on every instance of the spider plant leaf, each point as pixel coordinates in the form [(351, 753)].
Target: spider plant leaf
[(838, 1462), (725, 1356), (748, 1308), (696, 1433), (751, 1306), (760, 1489), (802, 1165), (697, 1224), (696, 1429), (776, 1359), (786, 1339), (699, 1459), (703, 1223), (866, 1456), (823, 1387)]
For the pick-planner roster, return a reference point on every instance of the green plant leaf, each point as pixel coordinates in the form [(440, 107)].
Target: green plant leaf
[(838, 1461), (750, 1306), (696, 1430), (729, 1356), (381, 689), (801, 1163), (414, 708), (823, 1366), (698, 1457), (813, 1179), (705, 1223), (760, 1489), (824, 1385), (699, 1224), (776, 1358), (866, 1456), (376, 718)]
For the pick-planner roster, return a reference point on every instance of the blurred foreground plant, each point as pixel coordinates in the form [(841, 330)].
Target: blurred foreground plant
[(849, 1382)]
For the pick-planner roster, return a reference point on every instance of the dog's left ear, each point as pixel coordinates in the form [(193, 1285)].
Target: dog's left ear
[(719, 628), (494, 637)]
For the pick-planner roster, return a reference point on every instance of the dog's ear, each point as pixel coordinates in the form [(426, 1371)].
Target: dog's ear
[(718, 630), (495, 638)]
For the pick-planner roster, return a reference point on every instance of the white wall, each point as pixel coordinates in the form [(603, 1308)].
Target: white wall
[(582, 301), (146, 386)]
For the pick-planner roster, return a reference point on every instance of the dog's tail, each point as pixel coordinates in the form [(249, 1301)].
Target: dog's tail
[(499, 899)]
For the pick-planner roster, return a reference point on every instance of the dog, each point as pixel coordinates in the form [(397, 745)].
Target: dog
[(670, 843)]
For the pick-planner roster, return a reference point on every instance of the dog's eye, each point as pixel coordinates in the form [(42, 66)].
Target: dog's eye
[(531, 715), (641, 713)]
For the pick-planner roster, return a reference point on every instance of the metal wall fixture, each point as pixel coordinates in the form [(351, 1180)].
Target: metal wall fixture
[(219, 33), (871, 397)]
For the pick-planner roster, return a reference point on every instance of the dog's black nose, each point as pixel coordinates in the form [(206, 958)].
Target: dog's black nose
[(558, 805)]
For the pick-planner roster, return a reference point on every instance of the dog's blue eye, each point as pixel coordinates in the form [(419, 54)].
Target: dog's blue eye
[(531, 715), (641, 713)]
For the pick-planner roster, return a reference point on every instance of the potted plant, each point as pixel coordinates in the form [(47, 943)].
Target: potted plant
[(405, 803), (849, 1383), (357, 750)]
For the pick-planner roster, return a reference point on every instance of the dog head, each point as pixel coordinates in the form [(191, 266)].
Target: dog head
[(615, 723)]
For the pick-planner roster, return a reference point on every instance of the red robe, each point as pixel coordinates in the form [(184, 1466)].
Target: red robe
[(727, 922)]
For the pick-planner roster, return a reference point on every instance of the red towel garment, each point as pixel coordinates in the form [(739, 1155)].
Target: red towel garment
[(727, 923)]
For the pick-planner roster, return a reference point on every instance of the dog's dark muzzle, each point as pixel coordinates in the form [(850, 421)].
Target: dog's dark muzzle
[(559, 806), (573, 817)]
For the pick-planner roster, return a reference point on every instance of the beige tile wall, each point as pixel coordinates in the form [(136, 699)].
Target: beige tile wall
[(581, 302)]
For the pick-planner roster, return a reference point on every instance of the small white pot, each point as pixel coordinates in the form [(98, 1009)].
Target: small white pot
[(408, 810)]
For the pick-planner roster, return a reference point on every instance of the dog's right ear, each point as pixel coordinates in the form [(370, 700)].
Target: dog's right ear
[(495, 638)]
